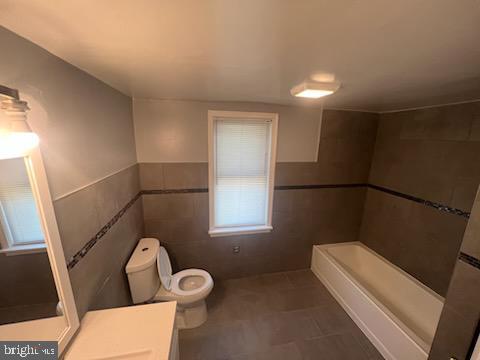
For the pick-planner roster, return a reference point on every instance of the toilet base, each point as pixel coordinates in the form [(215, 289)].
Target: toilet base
[(191, 316)]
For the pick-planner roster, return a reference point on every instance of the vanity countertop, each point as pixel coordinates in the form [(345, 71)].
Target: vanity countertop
[(133, 332)]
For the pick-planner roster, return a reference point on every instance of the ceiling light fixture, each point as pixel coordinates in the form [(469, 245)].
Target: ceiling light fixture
[(16, 137), (314, 90)]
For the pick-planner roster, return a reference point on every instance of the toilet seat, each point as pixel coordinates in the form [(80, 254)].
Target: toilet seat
[(164, 268), (171, 284), (178, 277)]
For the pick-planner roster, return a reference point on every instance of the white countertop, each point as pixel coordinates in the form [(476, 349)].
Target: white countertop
[(49, 329), (133, 332)]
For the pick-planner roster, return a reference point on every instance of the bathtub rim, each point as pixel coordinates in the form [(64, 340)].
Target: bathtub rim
[(399, 324), (388, 262)]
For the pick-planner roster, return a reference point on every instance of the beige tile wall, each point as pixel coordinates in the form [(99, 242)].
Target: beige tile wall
[(301, 218), (419, 239), (461, 313), (433, 154), (98, 280)]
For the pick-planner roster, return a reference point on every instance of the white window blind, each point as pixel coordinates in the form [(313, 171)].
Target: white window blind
[(18, 213), (242, 179)]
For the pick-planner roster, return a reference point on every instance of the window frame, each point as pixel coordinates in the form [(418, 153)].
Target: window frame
[(239, 115)]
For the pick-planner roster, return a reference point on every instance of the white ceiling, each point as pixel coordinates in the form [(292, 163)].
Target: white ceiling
[(387, 54)]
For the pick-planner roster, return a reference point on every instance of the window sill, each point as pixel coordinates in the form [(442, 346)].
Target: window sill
[(240, 230), (24, 249)]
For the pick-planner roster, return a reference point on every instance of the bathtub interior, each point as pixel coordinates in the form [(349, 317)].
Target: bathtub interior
[(413, 304)]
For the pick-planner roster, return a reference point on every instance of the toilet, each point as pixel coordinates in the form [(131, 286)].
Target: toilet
[(150, 277)]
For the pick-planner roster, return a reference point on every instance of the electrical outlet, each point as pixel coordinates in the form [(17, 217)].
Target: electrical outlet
[(236, 249)]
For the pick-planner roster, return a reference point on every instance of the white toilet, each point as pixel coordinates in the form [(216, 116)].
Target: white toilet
[(150, 277)]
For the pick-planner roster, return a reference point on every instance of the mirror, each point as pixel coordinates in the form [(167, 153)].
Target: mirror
[(36, 301), (24, 263)]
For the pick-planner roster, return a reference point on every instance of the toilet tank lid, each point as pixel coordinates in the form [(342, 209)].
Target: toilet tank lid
[(144, 255)]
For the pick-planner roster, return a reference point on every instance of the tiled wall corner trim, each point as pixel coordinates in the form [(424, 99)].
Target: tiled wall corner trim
[(91, 243)]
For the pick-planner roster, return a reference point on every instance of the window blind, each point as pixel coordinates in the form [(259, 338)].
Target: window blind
[(242, 153), (20, 221)]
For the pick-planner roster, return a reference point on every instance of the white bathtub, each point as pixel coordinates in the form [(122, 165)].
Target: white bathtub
[(395, 311)]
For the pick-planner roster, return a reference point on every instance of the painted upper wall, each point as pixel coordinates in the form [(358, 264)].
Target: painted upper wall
[(176, 131), (85, 126)]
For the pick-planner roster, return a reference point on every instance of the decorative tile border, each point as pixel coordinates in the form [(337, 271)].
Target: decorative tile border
[(326, 186), (91, 243), (471, 260), (428, 203), (278, 187), (174, 191)]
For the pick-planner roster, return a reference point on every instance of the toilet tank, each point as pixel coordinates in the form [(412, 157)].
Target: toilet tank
[(142, 270)]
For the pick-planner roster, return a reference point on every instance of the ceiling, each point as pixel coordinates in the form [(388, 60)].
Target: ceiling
[(388, 55)]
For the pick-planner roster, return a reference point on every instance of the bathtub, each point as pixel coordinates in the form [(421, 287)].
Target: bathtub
[(394, 310)]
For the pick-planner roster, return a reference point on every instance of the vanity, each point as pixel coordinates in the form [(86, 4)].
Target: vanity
[(143, 332), (132, 332), (36, 301)]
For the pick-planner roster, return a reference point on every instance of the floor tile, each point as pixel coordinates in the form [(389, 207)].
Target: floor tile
[(298, 298), (215, 342), (284, 327), (331, 319), (369, 349), (333, 347), (303, 278), (288, 315), (280, 352)]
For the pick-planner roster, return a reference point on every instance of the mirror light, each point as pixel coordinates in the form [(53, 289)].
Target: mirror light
[(16, 137), (314, 90)]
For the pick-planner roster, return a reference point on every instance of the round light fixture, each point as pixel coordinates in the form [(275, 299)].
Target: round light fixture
[(16, 137)]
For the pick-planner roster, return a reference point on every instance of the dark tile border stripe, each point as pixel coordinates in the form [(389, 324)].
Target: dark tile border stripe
[(174, 191), (326, 186), (428, 203), (278, 187), (418, 200), (471, 260), (91, 243)]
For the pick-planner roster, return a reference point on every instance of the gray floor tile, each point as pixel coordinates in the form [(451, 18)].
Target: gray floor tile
[(298, 298), (279, 352), (333, 347), (288, 315), (303, 278)]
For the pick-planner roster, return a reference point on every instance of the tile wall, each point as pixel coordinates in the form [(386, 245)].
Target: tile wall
[(100, 226), (432, 155), (459, 324), (303, 213)]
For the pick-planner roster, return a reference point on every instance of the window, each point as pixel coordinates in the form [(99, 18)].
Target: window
[(20, 224), (242, 153)]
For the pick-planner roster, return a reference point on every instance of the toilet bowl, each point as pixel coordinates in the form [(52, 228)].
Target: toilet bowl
[(189, 288)]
